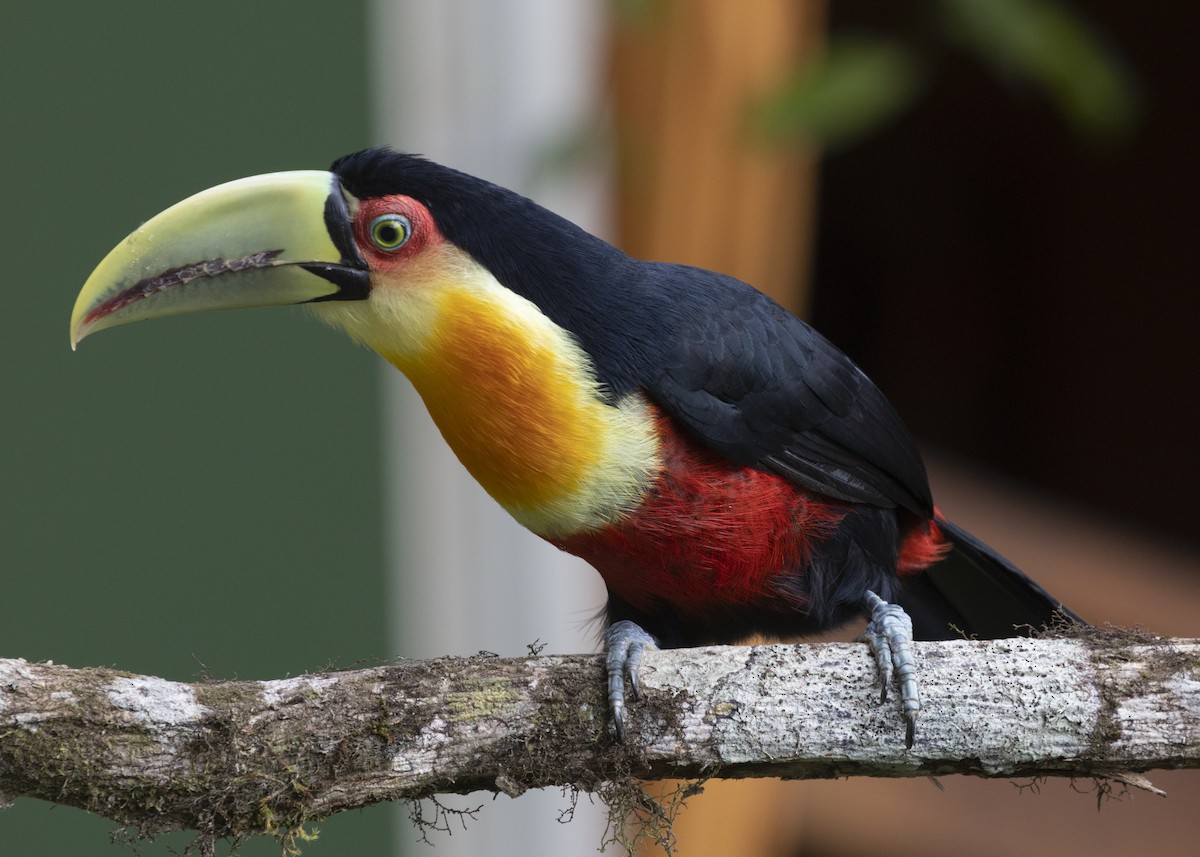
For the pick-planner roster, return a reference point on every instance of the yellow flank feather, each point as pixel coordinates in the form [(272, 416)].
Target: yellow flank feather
[(512, 393)]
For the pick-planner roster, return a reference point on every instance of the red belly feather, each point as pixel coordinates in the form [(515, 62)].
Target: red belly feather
[(712, 532), (709, 532)]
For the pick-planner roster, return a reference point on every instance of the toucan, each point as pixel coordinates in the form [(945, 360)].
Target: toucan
[(725, 468)]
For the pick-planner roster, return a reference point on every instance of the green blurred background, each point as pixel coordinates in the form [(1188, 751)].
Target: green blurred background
[(168, 505)]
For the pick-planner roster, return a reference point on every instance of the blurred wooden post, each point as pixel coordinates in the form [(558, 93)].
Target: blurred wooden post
[(696, 185)]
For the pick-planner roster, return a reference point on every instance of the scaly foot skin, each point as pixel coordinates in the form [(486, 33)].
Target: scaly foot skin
[(890, 634), (624, 644)]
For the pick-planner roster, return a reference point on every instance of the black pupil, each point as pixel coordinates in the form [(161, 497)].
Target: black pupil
[(388, 233)]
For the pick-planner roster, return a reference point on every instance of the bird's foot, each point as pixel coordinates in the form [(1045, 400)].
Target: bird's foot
[(890, 635), (624, 644)]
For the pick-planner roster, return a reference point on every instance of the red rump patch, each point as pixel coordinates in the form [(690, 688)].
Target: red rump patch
[(921, 548), (710, 532)]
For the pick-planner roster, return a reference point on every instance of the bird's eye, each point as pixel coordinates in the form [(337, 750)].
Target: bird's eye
[(390, 232)]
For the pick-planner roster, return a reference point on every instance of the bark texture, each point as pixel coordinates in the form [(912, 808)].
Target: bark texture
[(238, 758)]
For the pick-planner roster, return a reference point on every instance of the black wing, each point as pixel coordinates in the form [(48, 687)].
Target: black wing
[(761, 387)]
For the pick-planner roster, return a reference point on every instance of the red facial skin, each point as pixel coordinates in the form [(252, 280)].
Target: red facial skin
[(423, 236)]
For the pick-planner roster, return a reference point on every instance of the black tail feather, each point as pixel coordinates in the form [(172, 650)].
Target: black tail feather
[(976, 592)]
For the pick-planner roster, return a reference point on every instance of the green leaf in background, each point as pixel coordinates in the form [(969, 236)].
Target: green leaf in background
[(857, 85), (1046, 43)]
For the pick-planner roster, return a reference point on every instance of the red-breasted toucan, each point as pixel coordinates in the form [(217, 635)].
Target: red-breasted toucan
[(725, 468)]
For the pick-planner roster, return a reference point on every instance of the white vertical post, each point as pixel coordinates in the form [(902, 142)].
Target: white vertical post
[(489, 87)]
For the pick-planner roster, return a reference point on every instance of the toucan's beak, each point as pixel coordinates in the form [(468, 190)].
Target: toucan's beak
[(282, 238)]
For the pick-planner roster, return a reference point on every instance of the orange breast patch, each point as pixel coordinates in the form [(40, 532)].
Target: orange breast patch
[(516, 401)]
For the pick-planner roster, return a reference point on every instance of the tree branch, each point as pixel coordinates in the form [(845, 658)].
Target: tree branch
[(236, 758)]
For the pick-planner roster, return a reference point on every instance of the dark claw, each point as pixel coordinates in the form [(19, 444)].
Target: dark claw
[(624, 644)]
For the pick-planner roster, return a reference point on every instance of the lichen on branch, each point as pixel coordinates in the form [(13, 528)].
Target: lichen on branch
[(233, 759)]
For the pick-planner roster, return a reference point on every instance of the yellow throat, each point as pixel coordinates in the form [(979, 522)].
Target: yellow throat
[(512, 393)]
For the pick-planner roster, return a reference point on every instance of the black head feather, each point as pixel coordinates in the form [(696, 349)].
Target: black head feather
[(581, 282)]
